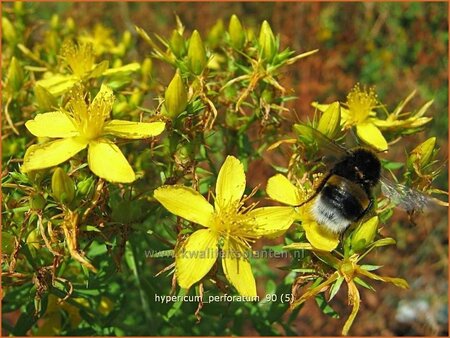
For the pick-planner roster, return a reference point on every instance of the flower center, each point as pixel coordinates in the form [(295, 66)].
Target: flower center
[(89, 118), (360, 103), (80, 58), (233, 222)]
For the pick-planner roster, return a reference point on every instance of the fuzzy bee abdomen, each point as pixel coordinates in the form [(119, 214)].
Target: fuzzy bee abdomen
[(339, 203)]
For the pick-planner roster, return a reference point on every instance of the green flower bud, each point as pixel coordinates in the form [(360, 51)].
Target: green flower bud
[(237, 33), (422, 154), (70, 24), (8, 243), (86, 186), (177, 44), (37, 201), (146, 69), (175, 97), (15, 76), (54, 22), (196, 54), (364, 234), (117, 63), (267, 43), (63, 187), (136, 98), (126, 39), (215, 34), (18, 8), (330, 120), (45, 100), (9, 33)]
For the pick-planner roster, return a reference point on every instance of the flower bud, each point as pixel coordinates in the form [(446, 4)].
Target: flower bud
[(196, 54), (18, 8), (423, 152), (364, 234), (8, 243), (15, 76), (126, 39), (237, 33), (37, 201), (63, 187), (54, 22), (267, 43), (175, 97), (70, 24), (45, 100), (215, 34), (8, 30), (136, 98), (146, 68), (177, 44), (330, 120), (86, 186)]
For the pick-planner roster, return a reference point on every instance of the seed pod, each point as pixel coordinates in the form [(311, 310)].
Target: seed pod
[(63, 187), (175, 97), (196, 54), (237, 33)]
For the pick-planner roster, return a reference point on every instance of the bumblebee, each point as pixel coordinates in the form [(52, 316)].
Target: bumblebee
[(346, 192)]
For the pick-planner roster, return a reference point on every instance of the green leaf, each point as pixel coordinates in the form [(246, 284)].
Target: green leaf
[(369, 267), (325, 307), (335, 287), (363, 283)]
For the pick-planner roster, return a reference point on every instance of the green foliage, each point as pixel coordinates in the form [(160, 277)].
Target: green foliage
[(85, 256)]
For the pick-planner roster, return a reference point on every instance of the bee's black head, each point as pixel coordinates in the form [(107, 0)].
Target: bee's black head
[(361, 166)]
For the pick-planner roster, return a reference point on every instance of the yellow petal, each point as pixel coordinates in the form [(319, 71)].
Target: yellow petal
[(40, 156), (280, 189), (185, 202), (103, 101), (196, 257), (230, 184), (237, 269), (133, 130), (319, 236), (272, 221), (371, 135), (54, 124), (58, 84), (107, 161)]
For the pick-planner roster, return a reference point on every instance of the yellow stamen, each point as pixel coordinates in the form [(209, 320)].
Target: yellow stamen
[(79, 57), (360, 103)]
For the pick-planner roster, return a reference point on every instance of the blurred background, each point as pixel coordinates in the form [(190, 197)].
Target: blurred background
[(398, 47)]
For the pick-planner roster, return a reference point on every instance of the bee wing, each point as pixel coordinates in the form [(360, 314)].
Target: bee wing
[(331, 150), (405, 197)]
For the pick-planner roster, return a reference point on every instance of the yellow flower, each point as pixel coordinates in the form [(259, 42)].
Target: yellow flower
[(280, 189), (86, 125), (360, 114), (80, 59), (227, 224)]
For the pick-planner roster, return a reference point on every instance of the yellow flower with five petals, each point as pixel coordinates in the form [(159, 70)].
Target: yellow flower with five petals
[(228, 226), (280, 189), (86, 125)]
